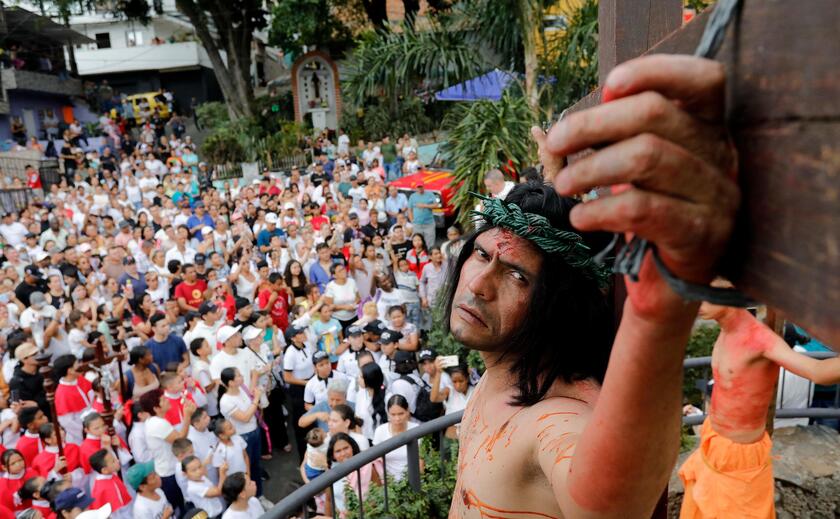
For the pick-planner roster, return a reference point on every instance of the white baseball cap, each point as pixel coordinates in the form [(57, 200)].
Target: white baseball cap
[(84, 247), (271, 218), (251, 332), (288, 205), (226, 332), (206, 230)]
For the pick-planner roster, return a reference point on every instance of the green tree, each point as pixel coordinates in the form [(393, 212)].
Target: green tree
[(482, 136), (312, 23)]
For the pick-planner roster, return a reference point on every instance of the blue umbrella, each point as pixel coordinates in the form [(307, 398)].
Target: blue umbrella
[(488, 86)]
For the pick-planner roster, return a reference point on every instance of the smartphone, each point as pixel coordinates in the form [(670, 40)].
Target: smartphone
[(449, 361), (14, 396)]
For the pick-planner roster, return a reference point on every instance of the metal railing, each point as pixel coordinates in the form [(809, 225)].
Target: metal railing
[(297, 500)]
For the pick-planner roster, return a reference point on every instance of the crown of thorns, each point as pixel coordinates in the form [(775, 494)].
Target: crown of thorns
[(537, 229)]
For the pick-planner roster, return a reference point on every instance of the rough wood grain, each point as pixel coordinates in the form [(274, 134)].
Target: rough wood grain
[(783, 102)]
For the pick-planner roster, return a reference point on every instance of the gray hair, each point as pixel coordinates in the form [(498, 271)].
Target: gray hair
[(338, 385), (494, 175)]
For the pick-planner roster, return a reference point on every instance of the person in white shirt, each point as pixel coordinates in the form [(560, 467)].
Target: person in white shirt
[(497, 186), (150, 501), (200, 490), (204, 441), (231, 355), (240, 405), (181, 252), (315, 390), (241, 492), (399, 417), (407, 382), (13, 231), (137, 436), (160, 435), (230, 450)]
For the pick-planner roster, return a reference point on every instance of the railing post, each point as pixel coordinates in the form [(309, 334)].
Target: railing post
[(413, 451), (385, 483), (361, 496)]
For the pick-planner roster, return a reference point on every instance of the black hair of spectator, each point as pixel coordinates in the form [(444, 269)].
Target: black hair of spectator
[(233, 486), (45, 431), (97, 460), (216, 425), (197, 415), (136, 409), (153, 320), (173, 266), (394, 308), (262, 264), (62, 365), (186, 461), (225, 377), (530, 174), (150, 400), (321, 246), (88, 354), (27, 415), (398, 400), (337, 437), (136, 354), (373, 378), (196, 345), (180, 446), (29, 489), (274, 277)]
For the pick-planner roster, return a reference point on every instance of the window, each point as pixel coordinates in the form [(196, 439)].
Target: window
[(134, 38), (103, 40)]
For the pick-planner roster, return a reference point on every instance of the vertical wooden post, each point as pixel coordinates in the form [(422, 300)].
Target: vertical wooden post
[(46, 370), (627, 29), (102, 362), (777, 324)]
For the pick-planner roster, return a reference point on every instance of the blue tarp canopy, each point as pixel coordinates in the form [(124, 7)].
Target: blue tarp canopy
[(489, 86)]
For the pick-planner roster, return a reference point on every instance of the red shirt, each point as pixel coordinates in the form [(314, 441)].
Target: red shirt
[(45, 461), (279, 310), (109, 489), (8, 490), (72, 397), (192, 293), (29, 446), (175, 415), (318, 221), (89, 447), (33, 179)]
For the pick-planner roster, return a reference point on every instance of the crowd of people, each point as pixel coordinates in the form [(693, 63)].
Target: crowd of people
[(236, 321)]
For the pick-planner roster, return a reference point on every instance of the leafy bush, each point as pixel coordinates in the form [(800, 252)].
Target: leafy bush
[(213, 115), (223, 147), (484, 135), (437, 484), (377, 119)]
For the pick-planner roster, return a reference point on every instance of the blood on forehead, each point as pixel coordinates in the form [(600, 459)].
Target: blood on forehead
[(511, 247)]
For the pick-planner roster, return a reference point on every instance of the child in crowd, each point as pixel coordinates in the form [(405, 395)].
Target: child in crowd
[(96, 438), (408, 285), (348, 361), (231, 449), (174, 391), (240, 491), (72, 397), (48, 463), (30, 493), (9, 425), (137, 435), (201, 353), (150, 502), (204, 441), (200, 490), (108, 488), (31, 419), (328, 332), (315, 461), (182, 448), (13, 479)]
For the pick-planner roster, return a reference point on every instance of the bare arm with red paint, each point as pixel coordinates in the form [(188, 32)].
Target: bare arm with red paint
[(825, 372), (661, 138)]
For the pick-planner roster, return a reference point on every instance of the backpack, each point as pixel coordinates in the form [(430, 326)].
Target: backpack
[(424, 409)]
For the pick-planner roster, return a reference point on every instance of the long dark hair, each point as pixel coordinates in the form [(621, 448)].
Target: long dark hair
[(346, 413), (373, 379), (288, 276), (569, 331), (331, 447), (225, 377)]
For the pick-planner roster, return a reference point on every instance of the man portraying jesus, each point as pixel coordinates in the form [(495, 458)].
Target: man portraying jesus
[(569, 421)]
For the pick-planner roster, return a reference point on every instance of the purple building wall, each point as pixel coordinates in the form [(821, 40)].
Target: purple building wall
[(20, 100)]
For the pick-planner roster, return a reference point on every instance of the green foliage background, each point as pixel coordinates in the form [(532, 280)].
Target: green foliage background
[(437, 484)]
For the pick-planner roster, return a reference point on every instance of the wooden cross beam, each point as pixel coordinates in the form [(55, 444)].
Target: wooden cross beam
[(783, 106)]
